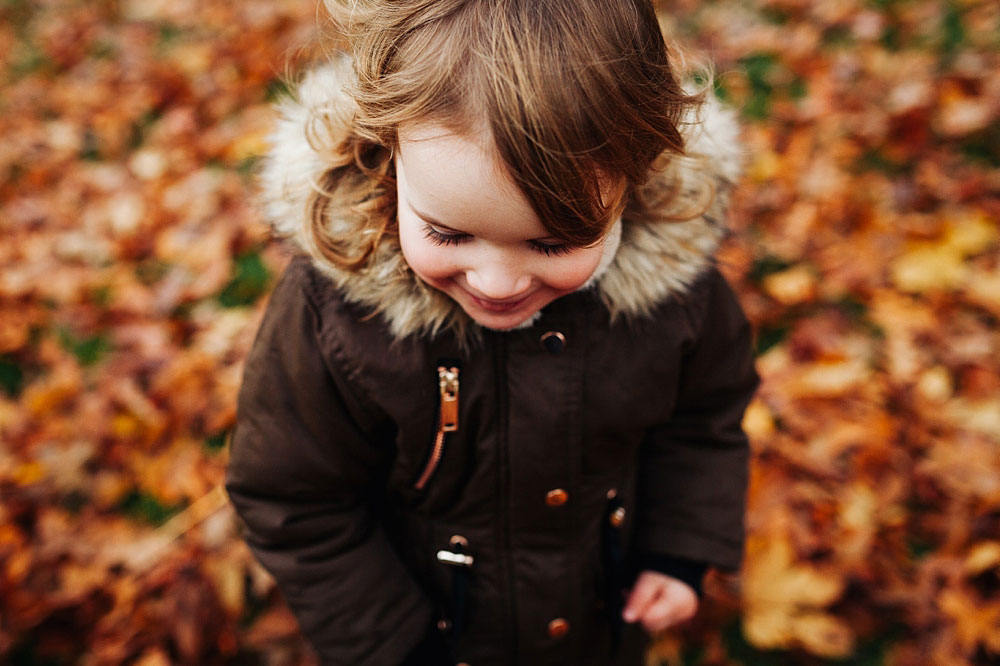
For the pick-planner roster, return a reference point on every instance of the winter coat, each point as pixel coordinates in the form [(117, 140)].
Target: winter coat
[(402, 471)]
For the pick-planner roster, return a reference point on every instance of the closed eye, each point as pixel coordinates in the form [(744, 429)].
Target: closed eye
[(439, 237), (551, 249)]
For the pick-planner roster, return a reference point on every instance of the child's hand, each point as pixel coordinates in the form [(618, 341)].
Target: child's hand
[(659, 601)]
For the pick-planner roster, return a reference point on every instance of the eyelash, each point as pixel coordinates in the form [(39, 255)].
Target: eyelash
[(439, 238)]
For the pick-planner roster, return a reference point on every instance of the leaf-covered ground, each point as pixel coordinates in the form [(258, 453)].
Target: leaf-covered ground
[(134, 269)]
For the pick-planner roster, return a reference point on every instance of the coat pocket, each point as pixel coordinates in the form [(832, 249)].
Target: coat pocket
[(447, 422)]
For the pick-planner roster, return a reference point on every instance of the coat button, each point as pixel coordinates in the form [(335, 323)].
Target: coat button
[(554, 341), (617, 517), (556, 497), (558, 628)]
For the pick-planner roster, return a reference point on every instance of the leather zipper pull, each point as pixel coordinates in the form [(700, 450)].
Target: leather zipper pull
[(448, 382), (447, 420)]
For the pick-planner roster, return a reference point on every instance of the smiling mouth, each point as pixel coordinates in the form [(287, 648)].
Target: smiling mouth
[(500, 306)]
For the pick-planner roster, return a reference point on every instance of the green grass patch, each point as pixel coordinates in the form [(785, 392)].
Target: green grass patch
[(247, 167), (277, 89), (759, 68), (101, 296), (766, 265), (27, 59), (88, 350), (769, 336), (103, 50), (140, 128), (952, 30), (91, 150), (875, 160), (11, 377), (982, 147), (837, 35), (250, 281), (145, 507), (151, 271), (167, 34), (217, 442)]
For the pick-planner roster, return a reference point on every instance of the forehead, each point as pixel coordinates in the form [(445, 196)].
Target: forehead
[(460, 181)]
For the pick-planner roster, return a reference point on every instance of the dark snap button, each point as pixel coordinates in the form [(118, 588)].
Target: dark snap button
[(554, 341)]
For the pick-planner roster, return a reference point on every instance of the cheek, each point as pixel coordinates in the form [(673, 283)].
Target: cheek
[(570, 272), (431, 262)]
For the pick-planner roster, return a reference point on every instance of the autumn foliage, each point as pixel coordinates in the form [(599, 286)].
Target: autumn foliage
[(134, 269)]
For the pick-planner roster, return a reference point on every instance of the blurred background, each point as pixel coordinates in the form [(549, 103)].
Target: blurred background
[(134, 269)]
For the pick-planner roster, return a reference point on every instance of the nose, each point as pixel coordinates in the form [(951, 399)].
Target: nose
[(499, 280)]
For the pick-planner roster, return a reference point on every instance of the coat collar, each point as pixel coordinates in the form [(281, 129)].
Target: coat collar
[(655, 261)]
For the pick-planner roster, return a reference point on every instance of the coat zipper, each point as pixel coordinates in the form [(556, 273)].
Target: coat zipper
[(447, 420)]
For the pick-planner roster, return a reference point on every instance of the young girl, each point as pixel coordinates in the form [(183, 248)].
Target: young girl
[(492, 415)]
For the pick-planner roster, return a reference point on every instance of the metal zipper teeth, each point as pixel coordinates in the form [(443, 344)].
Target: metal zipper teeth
[(447, 421), (433, 462)]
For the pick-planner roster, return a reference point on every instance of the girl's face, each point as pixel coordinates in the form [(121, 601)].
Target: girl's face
[(466, 229)]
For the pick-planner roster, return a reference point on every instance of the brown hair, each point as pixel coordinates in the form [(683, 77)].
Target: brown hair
[(574, 94)]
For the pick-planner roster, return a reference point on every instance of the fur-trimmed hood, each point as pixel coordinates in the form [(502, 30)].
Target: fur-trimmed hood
[(656, 259)]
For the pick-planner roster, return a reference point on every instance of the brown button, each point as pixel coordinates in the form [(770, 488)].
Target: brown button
[(556, 497), (558, 628), (617, 517), (554, 341)]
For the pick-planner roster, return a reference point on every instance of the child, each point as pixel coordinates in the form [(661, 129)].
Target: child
[(492, 414)]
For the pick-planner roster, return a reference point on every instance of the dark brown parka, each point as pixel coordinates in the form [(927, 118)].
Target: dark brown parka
[(408, 469)]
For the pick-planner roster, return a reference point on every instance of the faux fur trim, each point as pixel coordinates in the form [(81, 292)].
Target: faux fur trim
[(655, 260)]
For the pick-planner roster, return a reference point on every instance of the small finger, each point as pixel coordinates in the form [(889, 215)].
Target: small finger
[(671, 608), (644, 592)]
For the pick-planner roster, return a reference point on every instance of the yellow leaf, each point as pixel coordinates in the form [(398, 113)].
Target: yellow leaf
[(777, 592), (228, 578), (975, 621), (792, 286), (125, 426), (985, 555), (935, 384), (758, 421), (28, 473), (767, 628), (765, 167), (18, 566), (982, 415), (823, 634), (248, 145), (984, 289), (828, 379), (972, 234), (929, 267), (153, 657)]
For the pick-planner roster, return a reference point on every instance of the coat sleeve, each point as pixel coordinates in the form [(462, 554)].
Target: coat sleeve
[(693, 468), (300, 469)]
